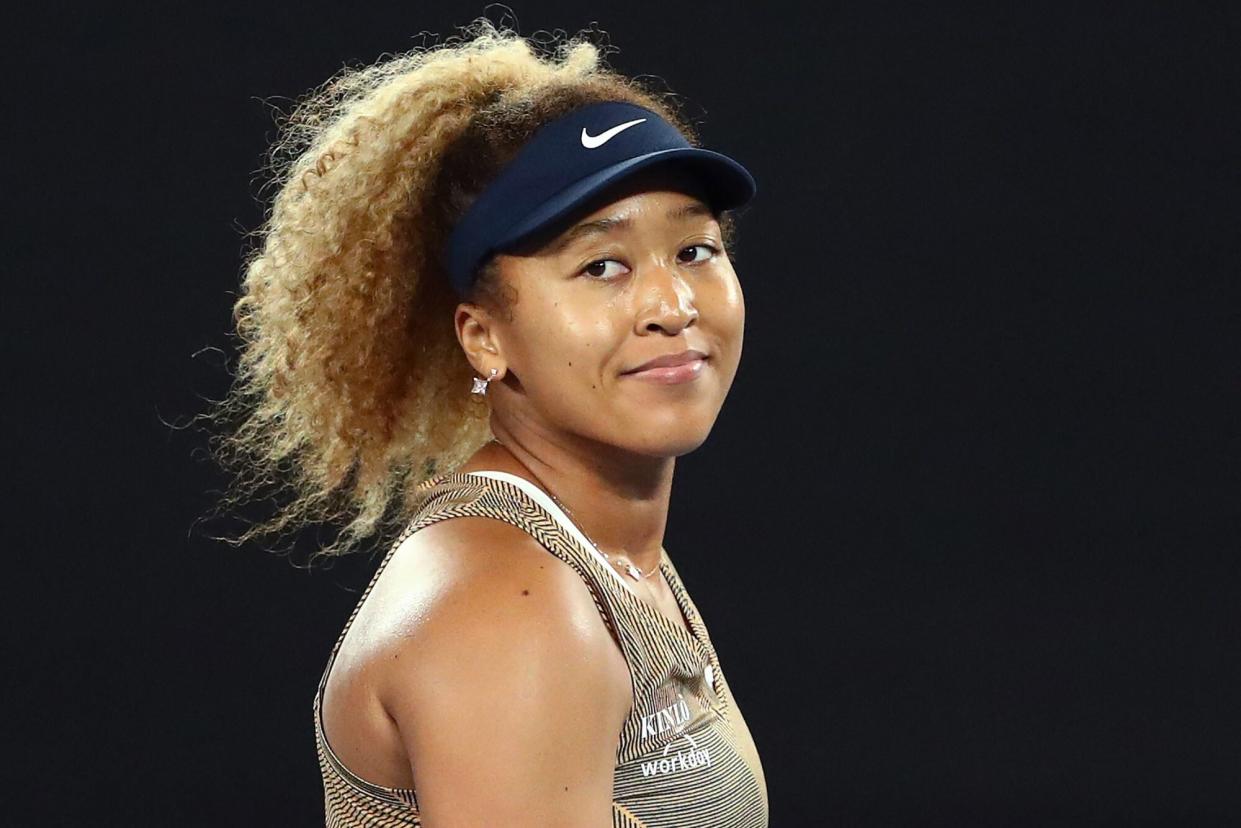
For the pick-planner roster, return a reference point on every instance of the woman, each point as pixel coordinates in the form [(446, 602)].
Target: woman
[(546, 234)]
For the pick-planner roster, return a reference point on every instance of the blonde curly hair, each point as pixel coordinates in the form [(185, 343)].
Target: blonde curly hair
[(351, 388)]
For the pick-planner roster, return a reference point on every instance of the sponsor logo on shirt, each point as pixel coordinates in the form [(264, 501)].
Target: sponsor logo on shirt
[(694, 757), (672, 719)]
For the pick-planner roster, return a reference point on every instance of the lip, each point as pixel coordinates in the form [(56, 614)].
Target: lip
[(669, 360), (672, 369)]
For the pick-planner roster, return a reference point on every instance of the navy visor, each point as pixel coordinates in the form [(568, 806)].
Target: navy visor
[(566, 162)]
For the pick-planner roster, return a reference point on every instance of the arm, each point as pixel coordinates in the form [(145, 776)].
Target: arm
[(507, 697)]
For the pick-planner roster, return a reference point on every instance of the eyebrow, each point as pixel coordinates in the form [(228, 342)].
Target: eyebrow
[(607, 225)]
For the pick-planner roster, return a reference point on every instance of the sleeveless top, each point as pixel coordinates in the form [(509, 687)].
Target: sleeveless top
[(684, 759)]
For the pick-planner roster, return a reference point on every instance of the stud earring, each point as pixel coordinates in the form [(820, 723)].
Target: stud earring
[(480, 384)]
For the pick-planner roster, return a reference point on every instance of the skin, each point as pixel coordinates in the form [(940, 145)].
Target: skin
[(604, 444), (479, 663)]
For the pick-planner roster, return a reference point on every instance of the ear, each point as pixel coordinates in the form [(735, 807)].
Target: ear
[(477, 332)]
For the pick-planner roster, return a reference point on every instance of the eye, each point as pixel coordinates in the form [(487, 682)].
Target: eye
[(593, 269), (598, 268), (711, 251)]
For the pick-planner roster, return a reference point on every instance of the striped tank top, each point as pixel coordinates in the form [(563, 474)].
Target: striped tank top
[(684, 758)]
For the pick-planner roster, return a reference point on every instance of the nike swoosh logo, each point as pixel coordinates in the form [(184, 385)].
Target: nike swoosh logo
[(593, 141)]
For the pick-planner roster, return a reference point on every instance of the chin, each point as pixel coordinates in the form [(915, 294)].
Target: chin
[(658, 429), (668, 442)]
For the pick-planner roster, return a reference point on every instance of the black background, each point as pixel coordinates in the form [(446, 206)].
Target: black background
[(965, 533)]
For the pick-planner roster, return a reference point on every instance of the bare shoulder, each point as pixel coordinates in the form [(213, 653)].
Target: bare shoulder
[(505, 685), (487, 578), (476, 568)]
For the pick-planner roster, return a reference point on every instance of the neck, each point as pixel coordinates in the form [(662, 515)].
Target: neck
[(619, 499)]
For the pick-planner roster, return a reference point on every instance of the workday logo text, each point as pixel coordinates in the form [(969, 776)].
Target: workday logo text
[(694, 757)]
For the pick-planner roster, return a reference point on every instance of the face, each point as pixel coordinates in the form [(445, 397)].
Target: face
[(636, 274)]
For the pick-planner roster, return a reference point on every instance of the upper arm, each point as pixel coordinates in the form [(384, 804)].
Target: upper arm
[(507, 696)]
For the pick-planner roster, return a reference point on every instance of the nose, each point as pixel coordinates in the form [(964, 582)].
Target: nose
[(665, 300)]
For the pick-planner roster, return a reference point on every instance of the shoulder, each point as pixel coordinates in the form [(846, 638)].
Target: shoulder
[(505, 686), (473, 600)]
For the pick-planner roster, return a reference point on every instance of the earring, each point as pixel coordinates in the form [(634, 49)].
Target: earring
[(480, 384)]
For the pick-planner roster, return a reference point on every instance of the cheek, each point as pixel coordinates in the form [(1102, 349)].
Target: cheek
[(569, 348), (587, 343), (734, 297), (728, 309)]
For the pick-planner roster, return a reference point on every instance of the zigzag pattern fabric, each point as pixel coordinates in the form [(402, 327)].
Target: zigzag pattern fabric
[(684, 758)]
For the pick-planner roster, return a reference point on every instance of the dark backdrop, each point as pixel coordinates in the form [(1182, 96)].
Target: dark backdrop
[(965, 533)]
